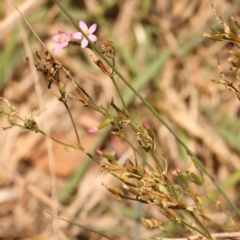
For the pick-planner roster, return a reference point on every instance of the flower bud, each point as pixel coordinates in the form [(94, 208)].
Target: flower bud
[(92, 130), (98, 151), (145, 125), (104, 124)]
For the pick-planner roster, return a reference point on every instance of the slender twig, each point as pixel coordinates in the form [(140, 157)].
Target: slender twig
[(80, 225), (72, 146), (119, 93), (76, 84), (9, 114), (133, 148), (201, 224), (56, 140), (193, 228), (73, 122), (158, 164)]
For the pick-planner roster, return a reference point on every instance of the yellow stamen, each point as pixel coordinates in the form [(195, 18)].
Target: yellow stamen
[(62, 38), (86, 32)]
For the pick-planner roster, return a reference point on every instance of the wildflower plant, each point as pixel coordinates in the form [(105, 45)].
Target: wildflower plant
[(174, 195)]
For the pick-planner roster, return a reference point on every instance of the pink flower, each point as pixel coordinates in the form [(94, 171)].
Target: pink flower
[(145, 125), (92, 130), (62, 38), (88, 31), (98, 151), (147, 171)]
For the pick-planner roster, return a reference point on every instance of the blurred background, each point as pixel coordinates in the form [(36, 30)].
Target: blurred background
[(160, 50)]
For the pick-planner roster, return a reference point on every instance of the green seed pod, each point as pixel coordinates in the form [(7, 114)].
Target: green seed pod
[(184, 177), (161, 188), (134, 191), (138, 183), (196, 179)]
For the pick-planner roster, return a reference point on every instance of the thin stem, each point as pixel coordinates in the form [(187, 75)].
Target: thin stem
[(8, 114), (191, 227), (73, 123), (64, 101), (200, 223), (90, 155), (79, 225), (68, 145), (19, 118), (133, 148), (158, 164), (119, 93), (76, 84), (43, 133), (134, 127), (55, 140), (65, 144)]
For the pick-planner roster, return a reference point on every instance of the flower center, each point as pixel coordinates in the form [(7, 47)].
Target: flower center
[(62, 38), (86, 32)]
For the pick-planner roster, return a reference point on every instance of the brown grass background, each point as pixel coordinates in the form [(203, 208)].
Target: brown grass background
[(161, 52)]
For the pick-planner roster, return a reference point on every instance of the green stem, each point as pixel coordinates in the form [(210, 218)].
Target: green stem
[(19, 118), (86, 94), (158, 165), (119, 93), (43, 133), (64, 101), (191, 227), (134, 127), (68, 145), (55, 140), (133, 148), (8, 114), (200, 223), (73, 123)]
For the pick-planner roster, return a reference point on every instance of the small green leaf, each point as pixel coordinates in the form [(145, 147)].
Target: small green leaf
[(162, 189), (70, 149), (217, 81)]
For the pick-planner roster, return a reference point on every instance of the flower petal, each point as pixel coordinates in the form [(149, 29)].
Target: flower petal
[(98, 151), (83, 25), (93, 28), (61, 32), (92, 130), (84, 43), (58, 48), (93, 38), (64, 44), (77, 35), (69, 37), (55, 37)]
